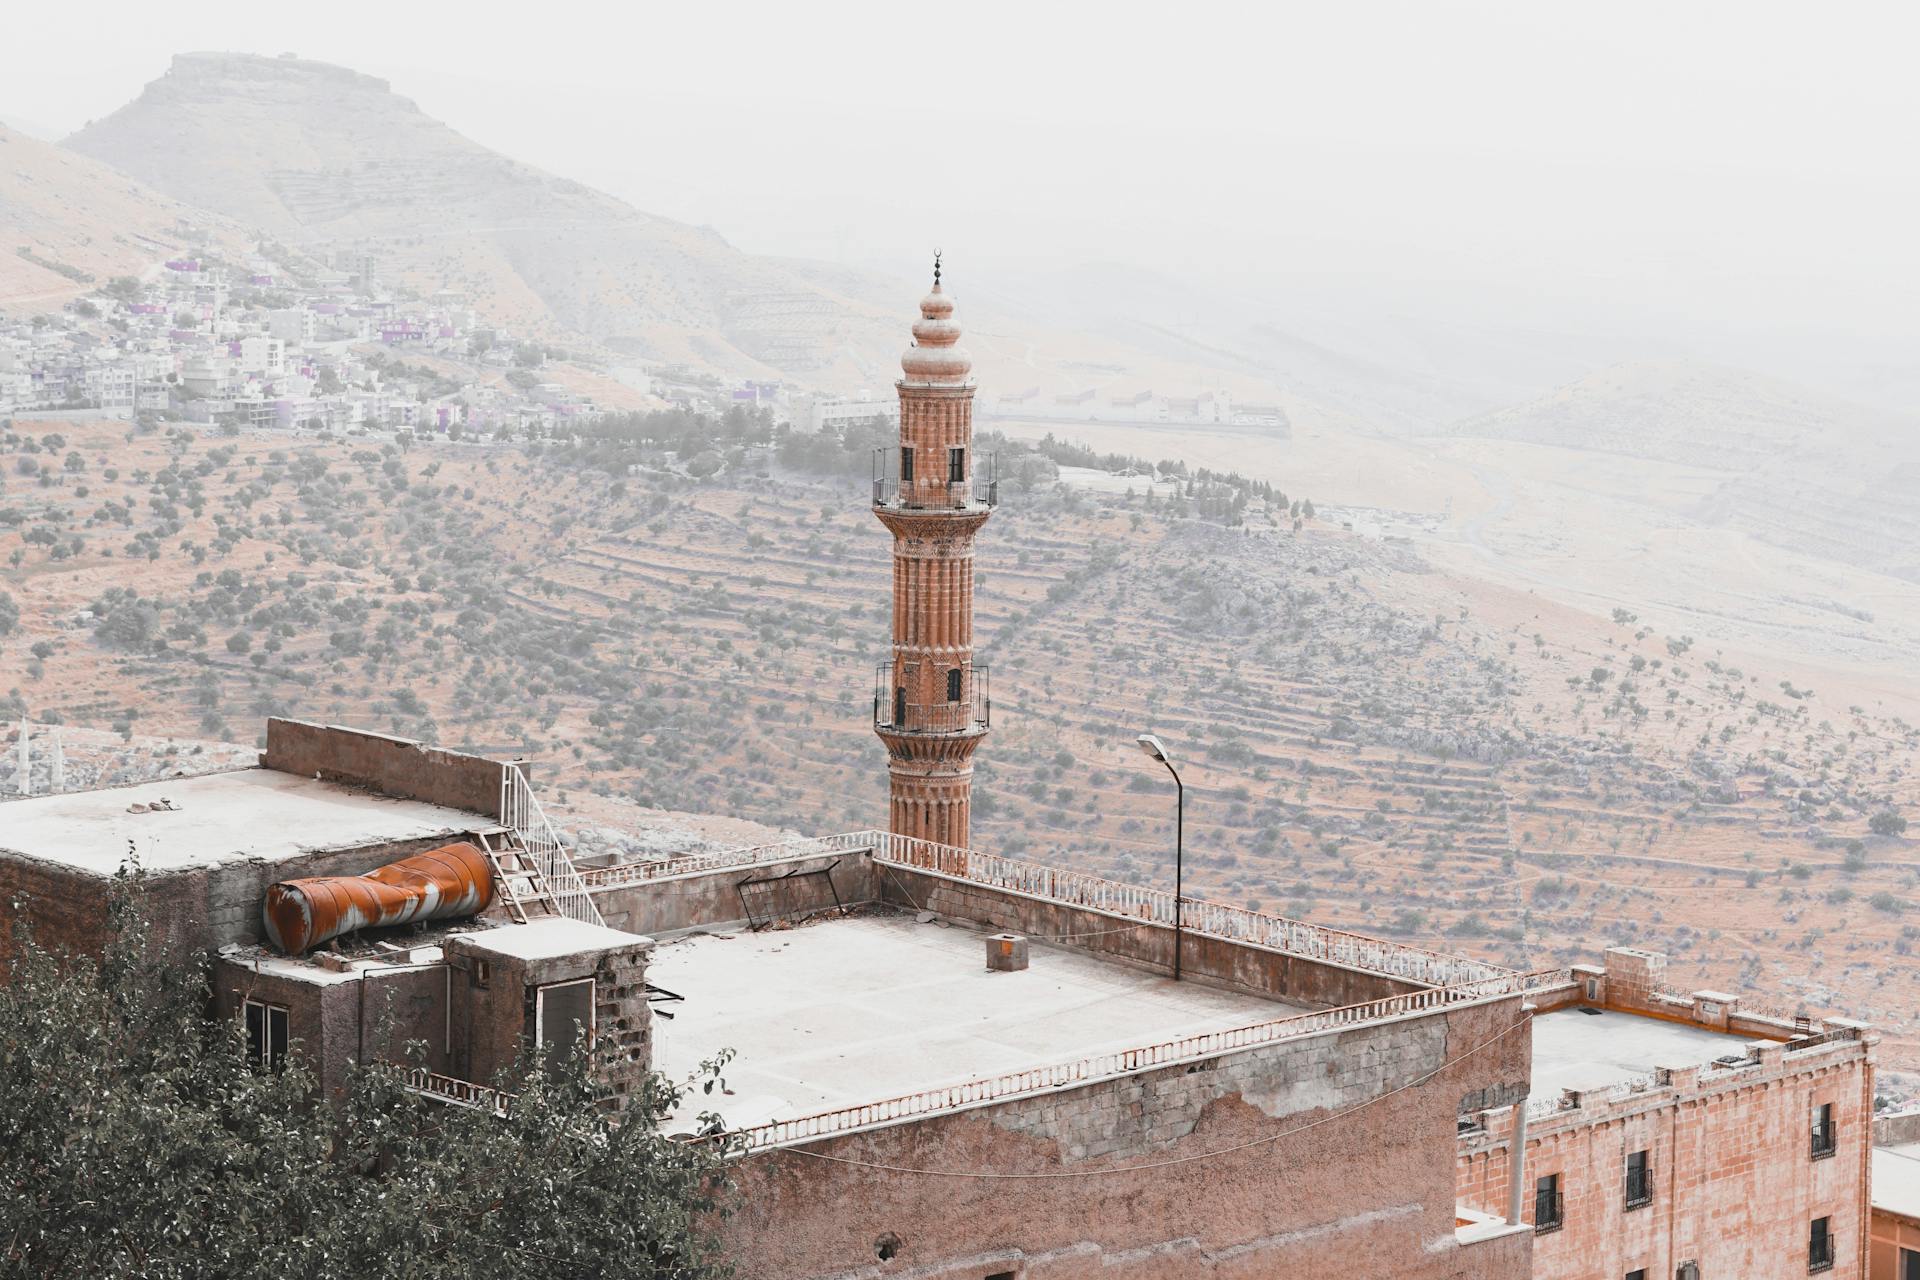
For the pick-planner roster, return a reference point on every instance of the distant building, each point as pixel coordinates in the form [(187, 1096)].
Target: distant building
[(814, 414)]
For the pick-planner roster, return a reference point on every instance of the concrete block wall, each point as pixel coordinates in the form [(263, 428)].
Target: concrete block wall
[(711, 899), (392, 766), (1329, 1155), (494, 996)]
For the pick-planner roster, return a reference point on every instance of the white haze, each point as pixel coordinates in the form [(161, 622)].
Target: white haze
[(1732, 181)]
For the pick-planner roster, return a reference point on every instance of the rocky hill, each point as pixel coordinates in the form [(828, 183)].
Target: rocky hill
[(321, 156), (68, 222)]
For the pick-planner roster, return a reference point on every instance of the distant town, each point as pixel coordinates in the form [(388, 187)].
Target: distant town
[(277, 338)]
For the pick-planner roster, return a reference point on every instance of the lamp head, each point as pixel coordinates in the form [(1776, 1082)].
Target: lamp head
[(1153, 747)]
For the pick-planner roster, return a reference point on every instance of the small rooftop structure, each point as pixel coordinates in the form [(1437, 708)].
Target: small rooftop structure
[(1896, 1180), (869, 1008), (1590, 1048), (247, 814), (546, 938)]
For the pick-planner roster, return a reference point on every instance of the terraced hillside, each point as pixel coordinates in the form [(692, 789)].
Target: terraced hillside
[(1366, 741)]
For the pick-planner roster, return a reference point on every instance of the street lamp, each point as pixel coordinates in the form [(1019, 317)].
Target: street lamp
[(1158, 750)]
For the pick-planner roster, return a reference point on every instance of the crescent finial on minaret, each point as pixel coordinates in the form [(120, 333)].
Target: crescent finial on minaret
[(936, 268)]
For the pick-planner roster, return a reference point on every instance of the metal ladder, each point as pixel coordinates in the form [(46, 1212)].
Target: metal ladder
[(516, 876)]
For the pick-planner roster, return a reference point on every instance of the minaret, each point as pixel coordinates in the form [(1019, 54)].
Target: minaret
[(930, 703)]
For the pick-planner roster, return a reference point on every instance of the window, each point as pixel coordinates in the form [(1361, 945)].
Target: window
[(266, 1033), (1003, 1275), (1823, 1135), (1687, 1271), (956, 465), (906, 465), (1639, 1273), (1909, 1265), (1547, 1204), (1820, 1245), (1639, 1180), (953, 685), (563, 1018)]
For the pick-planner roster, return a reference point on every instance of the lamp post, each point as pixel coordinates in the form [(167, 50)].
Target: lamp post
[(1158, 750)]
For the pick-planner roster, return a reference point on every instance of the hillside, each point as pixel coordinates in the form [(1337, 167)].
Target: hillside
[(1367, 741), (81, 222), (1679, 412), (321, 156), (1788, 466)]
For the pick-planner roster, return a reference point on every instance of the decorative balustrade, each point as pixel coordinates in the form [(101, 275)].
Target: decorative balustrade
[(1123, 1062), (1215, 919), (454, 1091)]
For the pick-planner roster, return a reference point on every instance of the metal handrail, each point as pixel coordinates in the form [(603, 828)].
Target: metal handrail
[(520, 812), (935, 491), (972, 711)]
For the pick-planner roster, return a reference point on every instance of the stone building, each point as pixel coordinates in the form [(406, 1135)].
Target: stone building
[(336, 803), (1894, 1230), (1672, 1134), (1301, 1100)]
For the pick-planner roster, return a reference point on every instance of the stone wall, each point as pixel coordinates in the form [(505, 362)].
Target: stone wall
[(1330, 1155), (711, 899), (392, 766), (1239, 965), (1735, 1185)]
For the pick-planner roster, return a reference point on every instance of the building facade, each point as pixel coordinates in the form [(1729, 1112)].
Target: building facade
[(1689, 1137)]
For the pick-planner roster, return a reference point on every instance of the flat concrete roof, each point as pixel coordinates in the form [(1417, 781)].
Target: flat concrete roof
[(547, 938), (218, 817), (845, 1011), (1896, 1179), (1577, 1050)]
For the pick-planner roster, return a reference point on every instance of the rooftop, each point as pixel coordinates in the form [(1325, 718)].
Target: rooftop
[(1577, 1049), (868, 1008), (547, 938), (1896, 1179), (217, 817)]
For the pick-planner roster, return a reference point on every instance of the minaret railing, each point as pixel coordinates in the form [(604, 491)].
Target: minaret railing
[(978, 488), (899, 709)]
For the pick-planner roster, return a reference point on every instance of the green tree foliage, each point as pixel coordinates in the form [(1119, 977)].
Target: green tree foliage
[(138, 1139), (9, 614), (1887, 823)]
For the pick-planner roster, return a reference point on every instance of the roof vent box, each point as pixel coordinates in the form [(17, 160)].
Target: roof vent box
[(1006, 953)]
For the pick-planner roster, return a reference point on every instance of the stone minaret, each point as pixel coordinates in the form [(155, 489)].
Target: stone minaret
[(930, 703)]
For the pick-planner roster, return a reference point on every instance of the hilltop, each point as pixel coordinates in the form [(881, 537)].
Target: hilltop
[(320, 155)]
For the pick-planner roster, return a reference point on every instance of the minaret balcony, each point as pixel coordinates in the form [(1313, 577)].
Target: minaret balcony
[(898, 708), (904, 482)]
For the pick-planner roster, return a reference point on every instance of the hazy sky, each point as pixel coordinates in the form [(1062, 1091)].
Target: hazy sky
[(1739, 166)]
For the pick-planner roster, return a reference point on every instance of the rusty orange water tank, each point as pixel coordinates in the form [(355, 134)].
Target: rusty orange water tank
[(441, 884)]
